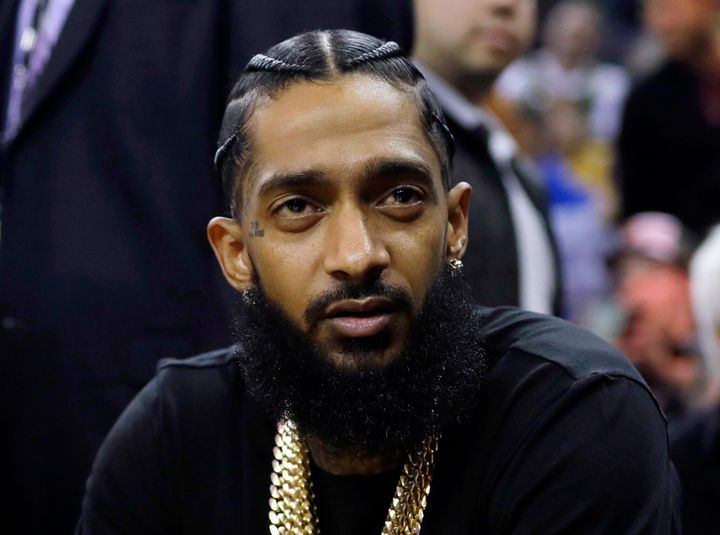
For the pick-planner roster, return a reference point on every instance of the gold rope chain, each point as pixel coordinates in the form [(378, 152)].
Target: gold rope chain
[(292, 500)]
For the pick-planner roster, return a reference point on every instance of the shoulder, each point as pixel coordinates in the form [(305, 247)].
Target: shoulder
[(609, 77), (564, 424), (576, 351), (201, 372), (197, 388), (540, 363), (663, 83)]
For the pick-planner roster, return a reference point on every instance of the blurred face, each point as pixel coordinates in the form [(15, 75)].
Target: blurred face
[(344, 190), (683, 26), (462, 39), (572, 33), (660, 321)]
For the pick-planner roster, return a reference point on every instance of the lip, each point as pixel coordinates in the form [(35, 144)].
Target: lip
[(361, 318), (500, 39)]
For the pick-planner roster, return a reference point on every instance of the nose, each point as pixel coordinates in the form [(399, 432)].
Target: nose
[(503, 8), (353, 250)]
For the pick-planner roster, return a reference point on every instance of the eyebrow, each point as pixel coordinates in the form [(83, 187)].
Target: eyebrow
[(293, 180), (377, 168), (389, 168)]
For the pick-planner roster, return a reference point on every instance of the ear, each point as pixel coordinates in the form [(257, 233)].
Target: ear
[(458, 201), (226, 237)]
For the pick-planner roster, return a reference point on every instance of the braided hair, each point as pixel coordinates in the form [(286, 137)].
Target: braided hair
[(319, 55)]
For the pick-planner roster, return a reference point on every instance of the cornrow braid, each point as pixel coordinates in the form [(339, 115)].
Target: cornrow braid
[(446, 132), (261, 62), (222, 149), (390, 49)]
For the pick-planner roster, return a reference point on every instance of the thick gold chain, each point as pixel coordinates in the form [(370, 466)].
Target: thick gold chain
[(292, 500)]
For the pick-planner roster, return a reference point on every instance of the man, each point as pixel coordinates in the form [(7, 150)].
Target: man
[(653, 293), (462, 46), (108, 110), (395, 404), (697, 444), (669, 146)]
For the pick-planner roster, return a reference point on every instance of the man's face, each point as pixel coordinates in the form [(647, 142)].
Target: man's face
[(660, 325), (465, 38), (343, 190), (683, 26), (573, 33)]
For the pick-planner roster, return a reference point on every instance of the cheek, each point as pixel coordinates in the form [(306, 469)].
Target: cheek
[(286, 273), (417, 256), (526, 29)]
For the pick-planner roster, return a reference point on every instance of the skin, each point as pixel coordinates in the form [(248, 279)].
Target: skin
[(470, 42), (572, 33), (687, 29), (343, 186), (657, 298)]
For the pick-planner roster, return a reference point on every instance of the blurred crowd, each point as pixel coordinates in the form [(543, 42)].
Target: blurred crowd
[(618, 105), (593, 148)]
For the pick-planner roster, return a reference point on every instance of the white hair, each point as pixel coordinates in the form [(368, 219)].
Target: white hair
[(705, 288)]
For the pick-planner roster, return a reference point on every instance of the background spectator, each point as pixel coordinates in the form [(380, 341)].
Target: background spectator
[(657, 330), (569, 104), (696, 449), (462, 46), (567, 68), (669, 146)]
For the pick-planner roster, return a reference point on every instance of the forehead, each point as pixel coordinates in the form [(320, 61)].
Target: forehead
[(336, 127)]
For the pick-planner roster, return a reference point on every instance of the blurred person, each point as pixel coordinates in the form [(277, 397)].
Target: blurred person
[(567, 68), (696, 448), (461, 47), (579, 208), (571, 102), (107, 110), (624, 30), (653, 293), (366, 394), (669, 147), (705, 289)]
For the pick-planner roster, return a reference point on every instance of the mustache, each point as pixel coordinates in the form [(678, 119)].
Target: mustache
[(400, 298)]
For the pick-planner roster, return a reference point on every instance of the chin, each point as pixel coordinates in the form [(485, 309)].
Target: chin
[(369, 353)]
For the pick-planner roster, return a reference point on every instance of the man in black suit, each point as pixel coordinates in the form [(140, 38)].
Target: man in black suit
[(669, 145), (461, 47), (107, 186)]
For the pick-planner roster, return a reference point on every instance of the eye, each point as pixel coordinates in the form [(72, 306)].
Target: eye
[(296, 207), (403, 196)]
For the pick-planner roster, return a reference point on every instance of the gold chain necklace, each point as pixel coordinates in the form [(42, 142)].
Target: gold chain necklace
[(292, 500)]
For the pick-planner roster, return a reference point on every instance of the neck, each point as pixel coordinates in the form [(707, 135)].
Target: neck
[(475, 86), (706, 58), (566, 59), (475, 91), (350, 462)]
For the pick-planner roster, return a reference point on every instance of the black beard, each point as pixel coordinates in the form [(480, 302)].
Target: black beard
[(388, 410)]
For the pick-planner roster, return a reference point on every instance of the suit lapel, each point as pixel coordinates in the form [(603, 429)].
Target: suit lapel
[(79, 26)]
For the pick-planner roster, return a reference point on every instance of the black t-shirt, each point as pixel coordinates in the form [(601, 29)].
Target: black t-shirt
[(566, 438)]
